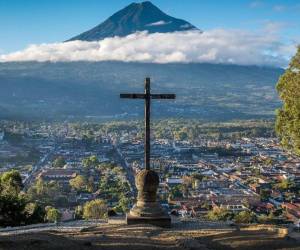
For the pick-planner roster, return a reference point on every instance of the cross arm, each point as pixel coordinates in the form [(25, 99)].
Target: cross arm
[(163, 96), (133, 96)]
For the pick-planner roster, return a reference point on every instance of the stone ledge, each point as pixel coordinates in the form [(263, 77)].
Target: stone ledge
[(161, 221)]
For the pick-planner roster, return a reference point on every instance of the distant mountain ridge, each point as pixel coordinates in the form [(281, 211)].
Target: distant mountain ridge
[(78, 90), (135, 17)]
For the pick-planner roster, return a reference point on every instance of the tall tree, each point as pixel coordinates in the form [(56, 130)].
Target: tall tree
[(12, 210), (11, 181), (288, 116)]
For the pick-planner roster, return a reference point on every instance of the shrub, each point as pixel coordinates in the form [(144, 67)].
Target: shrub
[(95, 209)]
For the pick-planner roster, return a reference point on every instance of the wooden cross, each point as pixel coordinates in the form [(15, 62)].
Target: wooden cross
[(147, 96)]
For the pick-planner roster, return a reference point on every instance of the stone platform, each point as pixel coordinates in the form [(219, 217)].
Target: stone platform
[(160, 221), (184, 235)]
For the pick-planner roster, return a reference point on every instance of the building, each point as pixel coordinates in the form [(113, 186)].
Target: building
[(62, 176), (173, 181)]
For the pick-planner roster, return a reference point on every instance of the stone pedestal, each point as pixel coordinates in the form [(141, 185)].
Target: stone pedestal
[(147, 209)]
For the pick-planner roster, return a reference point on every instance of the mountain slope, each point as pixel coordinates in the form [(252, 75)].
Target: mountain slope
[(135, 17), (91, 89)]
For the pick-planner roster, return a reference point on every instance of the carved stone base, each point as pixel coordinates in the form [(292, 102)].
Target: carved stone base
[(160, 221), (147, 209)]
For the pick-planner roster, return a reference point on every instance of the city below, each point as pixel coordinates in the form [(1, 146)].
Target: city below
[(234, 171)]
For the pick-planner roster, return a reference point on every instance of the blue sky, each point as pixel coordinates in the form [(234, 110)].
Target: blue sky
[(24, 22)]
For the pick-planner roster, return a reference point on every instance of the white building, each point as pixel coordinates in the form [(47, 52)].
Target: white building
[(173, 181)]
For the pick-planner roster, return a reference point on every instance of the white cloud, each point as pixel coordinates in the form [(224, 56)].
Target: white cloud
[(279, 8), (256, 4), (159, 23), (271, 27), (214, 46)]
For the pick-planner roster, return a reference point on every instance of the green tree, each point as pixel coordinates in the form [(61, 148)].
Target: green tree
[(78, 183), (286, 185), (90, 162), (12, 202), (12, 210), (59, 162), (288, 116), (34, 213), (176, 192), (266, 218), (245, 217), (219, 214), (11, 181), (123, 205), (44, 192), (52, 214), (181, 134), (95, 209)]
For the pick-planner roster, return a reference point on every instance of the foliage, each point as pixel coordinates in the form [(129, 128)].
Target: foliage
[(181, 134), (44, 192), (78, 183), (286, 185), (245, 217), (176, 192), (266, 218), (219, 214), (59, 162), (15, 209), (78, 212), (90, 162), (11, 182), (123, 205), (12, 210), (34, 213), (90, 186), (95, 209), (61, 201), (12, 204), (288, 116), (111, 186), (52, 214)]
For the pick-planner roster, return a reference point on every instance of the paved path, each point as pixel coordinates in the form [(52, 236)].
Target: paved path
[(128, 169)]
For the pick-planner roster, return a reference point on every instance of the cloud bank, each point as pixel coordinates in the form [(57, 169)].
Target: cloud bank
[(214, 46)]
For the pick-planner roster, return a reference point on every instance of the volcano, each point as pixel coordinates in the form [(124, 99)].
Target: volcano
[(134, 18)]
